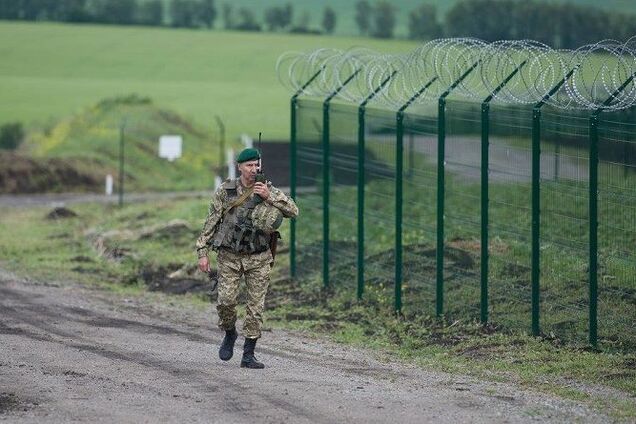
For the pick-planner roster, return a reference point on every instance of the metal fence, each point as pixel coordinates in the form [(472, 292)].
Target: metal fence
[(478, 181)]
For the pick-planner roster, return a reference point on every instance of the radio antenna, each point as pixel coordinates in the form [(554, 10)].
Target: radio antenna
[(260, 154)]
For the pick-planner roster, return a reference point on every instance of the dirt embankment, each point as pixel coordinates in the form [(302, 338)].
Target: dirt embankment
[(23, 174)]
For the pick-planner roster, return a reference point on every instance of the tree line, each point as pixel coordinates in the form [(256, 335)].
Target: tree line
[(558, 25), (175, 13)]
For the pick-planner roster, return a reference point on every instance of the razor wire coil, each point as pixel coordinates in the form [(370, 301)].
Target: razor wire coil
[(596, 76)]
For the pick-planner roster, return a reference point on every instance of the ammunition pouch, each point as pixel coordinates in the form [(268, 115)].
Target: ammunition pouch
[(237, 231)]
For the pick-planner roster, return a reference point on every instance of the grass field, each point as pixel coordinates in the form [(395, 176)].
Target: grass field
[(49, 71)]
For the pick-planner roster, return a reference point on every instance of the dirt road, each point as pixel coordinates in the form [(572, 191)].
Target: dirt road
[(72, 353)]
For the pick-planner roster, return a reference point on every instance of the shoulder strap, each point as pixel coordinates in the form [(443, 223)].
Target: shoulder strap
[(239, 200)]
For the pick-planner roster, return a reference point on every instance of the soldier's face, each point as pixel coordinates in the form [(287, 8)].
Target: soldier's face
[(248, 171)]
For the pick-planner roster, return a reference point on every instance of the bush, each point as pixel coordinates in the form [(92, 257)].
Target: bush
[(11, 135)]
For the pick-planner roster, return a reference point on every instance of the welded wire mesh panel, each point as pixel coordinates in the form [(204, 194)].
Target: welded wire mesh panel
[(462, 225), (379, 206), (309, 187), (343, 169), (519, 74), (510, 216), (419, 208), (617, 230), (564, 224)]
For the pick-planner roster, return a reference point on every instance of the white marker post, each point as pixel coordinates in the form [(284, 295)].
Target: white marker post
[(109, 185), (231, 167), (247, 141)]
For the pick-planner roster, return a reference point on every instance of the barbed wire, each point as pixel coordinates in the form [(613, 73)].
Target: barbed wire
[(594, 76)]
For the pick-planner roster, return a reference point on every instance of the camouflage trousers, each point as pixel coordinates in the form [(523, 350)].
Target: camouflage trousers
[(255, 268)]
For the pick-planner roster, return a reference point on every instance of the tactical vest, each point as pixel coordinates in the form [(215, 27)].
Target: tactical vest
[(236, 231)]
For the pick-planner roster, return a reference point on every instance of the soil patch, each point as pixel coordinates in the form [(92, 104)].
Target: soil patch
[(23, 174), (177, 279), (8, 402), (61, 213)]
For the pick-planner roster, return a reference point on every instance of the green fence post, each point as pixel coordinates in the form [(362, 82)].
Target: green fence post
[(485, 160), (485, 134), (361, 182), (399, 169), (122, 128), (293, 158), (409, 173), (593, 211), (536, 201), (536, 223), (399, 173), (441, 155), (293, 161), (325, 179), (325, 193)]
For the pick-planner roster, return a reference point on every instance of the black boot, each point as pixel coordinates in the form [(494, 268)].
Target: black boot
[(227, 347), (249, 360)]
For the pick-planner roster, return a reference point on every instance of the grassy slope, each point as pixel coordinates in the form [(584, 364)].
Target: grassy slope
[(48, 71), (92, 139)]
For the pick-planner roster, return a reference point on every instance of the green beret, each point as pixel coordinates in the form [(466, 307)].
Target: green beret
[(248, 154)]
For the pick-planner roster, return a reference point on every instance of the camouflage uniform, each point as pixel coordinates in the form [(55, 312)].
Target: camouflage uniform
[(232, 265)]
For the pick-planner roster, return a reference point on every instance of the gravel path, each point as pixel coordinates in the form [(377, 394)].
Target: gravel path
[(73, 353)]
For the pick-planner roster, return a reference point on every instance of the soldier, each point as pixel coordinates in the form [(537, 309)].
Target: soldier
[(241, 225)]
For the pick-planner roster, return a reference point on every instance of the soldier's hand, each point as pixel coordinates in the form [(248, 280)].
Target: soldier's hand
[(262, 190), (204, 264)]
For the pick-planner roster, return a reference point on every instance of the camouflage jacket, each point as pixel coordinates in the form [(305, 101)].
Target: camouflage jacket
[(220, 201)]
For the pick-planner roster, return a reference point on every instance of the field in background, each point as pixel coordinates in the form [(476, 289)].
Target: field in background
[(49, 71)]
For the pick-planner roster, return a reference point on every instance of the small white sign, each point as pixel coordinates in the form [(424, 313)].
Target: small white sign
[(170, 147)]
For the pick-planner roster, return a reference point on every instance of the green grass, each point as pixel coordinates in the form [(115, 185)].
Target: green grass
[(49, 71), (58, 250)]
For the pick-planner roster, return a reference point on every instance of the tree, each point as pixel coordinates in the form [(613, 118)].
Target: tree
[(207, 12), (247, 20), (489, 20), (73, 11), (151, 13), (9, 9), (228, 18), (32, 10), (363, 16), (116, 11), (11, 135), (272, 18), (329, 20), (183, 13), (423, 23), (278, 17), (383, 20), (302, 27)]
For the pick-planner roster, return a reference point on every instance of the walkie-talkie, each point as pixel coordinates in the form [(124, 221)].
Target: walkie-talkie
[(260, 176)]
